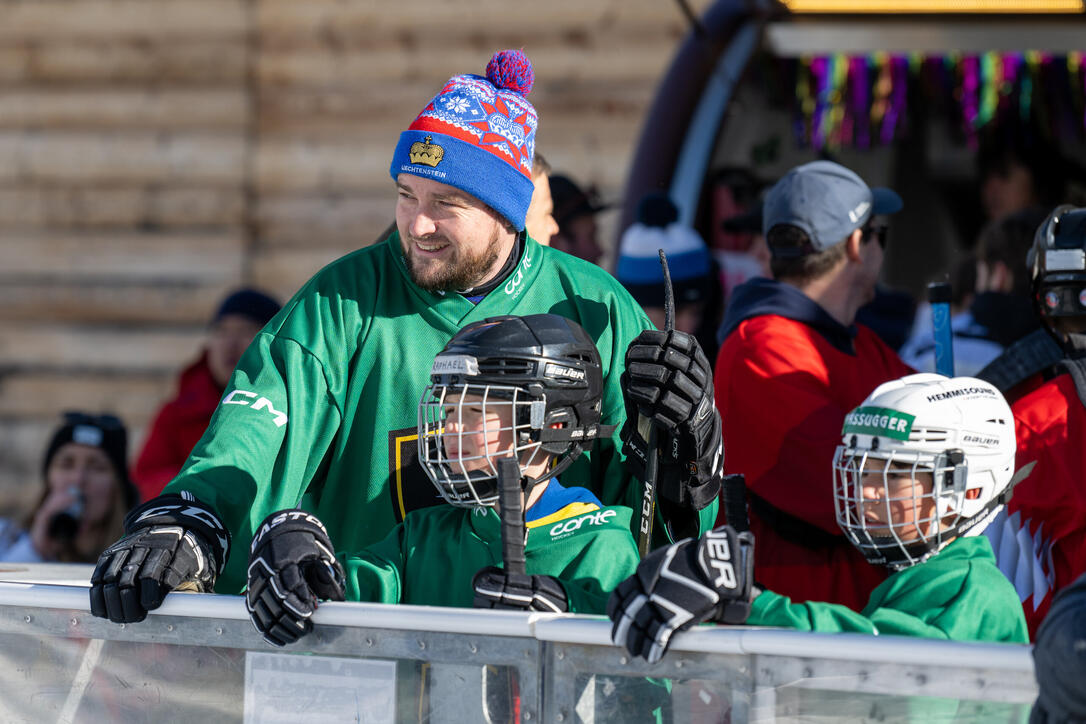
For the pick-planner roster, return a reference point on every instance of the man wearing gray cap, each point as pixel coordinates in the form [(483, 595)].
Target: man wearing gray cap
[(792, 363)]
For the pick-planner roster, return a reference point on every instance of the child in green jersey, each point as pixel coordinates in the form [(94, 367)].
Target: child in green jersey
[(925, 463), (521, 387)]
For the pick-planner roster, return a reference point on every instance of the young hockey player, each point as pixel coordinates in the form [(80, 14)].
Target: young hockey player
[(527, 387), (925, 463), (1040, 539)]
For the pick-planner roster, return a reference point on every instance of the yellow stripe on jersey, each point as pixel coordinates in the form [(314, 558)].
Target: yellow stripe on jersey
[(570, 511)]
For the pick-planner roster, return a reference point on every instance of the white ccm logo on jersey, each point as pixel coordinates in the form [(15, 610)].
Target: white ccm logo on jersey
[(242, 397), (518, 277), (567, 527)]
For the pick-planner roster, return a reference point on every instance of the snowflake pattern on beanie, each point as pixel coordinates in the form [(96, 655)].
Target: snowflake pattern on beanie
[(478, 134), (477, 112)]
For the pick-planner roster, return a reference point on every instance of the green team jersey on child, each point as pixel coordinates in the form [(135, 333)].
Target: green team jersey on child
[(958, 594), (324, 403), (431, 557)]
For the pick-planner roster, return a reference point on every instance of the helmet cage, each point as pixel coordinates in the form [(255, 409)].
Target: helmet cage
[(470, 481), (887, 542)]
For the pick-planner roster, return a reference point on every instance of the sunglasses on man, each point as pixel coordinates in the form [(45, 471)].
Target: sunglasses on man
[(877, 232)]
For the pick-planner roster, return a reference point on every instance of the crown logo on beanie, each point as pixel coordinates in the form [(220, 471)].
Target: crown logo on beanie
[(426, 153)]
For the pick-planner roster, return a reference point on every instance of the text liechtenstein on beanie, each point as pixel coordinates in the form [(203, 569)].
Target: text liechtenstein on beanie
[(478, 134)]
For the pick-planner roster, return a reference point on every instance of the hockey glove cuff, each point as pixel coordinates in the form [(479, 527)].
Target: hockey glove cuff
[(495, 588)]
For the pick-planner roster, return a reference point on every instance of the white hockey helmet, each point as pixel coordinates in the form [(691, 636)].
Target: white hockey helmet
[(960, 430)]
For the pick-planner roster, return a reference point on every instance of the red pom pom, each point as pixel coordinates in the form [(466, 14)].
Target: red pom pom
[(511, 69)]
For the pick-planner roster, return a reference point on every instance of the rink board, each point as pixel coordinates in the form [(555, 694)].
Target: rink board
[(199, 659)]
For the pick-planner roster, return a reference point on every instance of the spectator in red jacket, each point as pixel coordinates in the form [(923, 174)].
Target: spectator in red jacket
[(181, 422), (1040, 538), (792, 363)]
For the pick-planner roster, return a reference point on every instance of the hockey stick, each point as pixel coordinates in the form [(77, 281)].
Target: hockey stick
[(939, 298), (511, 510), (734, 496), (652, 462)]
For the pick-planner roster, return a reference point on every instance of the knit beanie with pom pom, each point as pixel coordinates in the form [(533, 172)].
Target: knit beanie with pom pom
[(478, 134), (638, 267)]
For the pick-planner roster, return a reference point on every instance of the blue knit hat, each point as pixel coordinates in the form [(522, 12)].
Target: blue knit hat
[(638, 267), (478, 134)]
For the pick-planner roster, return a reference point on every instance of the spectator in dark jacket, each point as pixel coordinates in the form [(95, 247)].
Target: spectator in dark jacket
[(181, 422), (85, 497)]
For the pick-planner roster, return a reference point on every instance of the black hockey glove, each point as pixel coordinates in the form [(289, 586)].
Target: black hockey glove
[(494, 588), (686, 583), (172, 541), (292, 565), (668, 383)]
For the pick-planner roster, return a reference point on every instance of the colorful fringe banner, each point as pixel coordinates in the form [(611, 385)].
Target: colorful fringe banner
[(858, 100)]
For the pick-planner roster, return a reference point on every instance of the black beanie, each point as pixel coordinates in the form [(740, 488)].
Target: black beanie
[(251, 303), (105, 432)]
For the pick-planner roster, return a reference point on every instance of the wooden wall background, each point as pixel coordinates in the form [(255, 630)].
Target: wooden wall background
[(156, 153)]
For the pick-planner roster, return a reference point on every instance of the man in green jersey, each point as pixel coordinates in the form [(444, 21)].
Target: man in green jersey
[(526, 388), (926, 462), (320, 412)]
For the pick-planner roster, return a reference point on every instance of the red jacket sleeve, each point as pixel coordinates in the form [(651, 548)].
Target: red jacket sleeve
[(161, 457)]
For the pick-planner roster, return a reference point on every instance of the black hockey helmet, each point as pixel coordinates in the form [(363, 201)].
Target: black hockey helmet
[(543, 368), (1057, 264)]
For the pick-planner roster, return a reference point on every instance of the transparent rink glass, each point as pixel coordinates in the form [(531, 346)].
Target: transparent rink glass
[(164, 670), (598, 684), (203, 661)]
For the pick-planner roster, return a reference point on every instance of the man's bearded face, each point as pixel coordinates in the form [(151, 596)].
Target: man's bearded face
[(451, 241)]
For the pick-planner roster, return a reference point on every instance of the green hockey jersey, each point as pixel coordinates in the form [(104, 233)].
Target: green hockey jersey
[(431, 557), (958, 594), (321, 411)]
